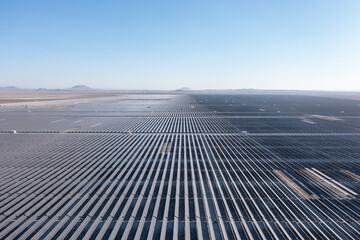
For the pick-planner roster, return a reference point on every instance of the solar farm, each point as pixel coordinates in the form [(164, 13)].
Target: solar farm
[(182, 166)]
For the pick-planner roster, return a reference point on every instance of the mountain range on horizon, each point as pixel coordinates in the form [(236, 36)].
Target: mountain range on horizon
[(74, 88), (84, 88)]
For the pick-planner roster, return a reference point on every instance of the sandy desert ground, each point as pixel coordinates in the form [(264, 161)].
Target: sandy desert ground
[(33, 99)]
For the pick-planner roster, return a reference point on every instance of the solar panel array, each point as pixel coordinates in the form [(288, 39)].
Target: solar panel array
[(181, 169)]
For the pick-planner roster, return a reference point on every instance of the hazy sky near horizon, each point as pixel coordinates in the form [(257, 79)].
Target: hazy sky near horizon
[(310, 44)]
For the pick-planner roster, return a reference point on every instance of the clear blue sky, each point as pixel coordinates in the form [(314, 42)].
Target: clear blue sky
[(308, 44)]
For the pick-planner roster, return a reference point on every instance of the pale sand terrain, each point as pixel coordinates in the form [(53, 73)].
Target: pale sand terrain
[(30, 96), (31, 99)]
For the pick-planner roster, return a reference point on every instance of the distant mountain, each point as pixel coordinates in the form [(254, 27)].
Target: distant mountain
[(80, 88), (184, 89), (10, 88)]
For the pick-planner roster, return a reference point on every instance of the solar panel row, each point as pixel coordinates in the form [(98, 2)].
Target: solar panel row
[(190, 176)]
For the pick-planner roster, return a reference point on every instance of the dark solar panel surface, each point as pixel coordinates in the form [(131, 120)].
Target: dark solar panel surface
[(181, 169)]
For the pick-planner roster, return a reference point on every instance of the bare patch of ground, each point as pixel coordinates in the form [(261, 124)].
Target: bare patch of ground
[(33, 99), (29, 96)]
